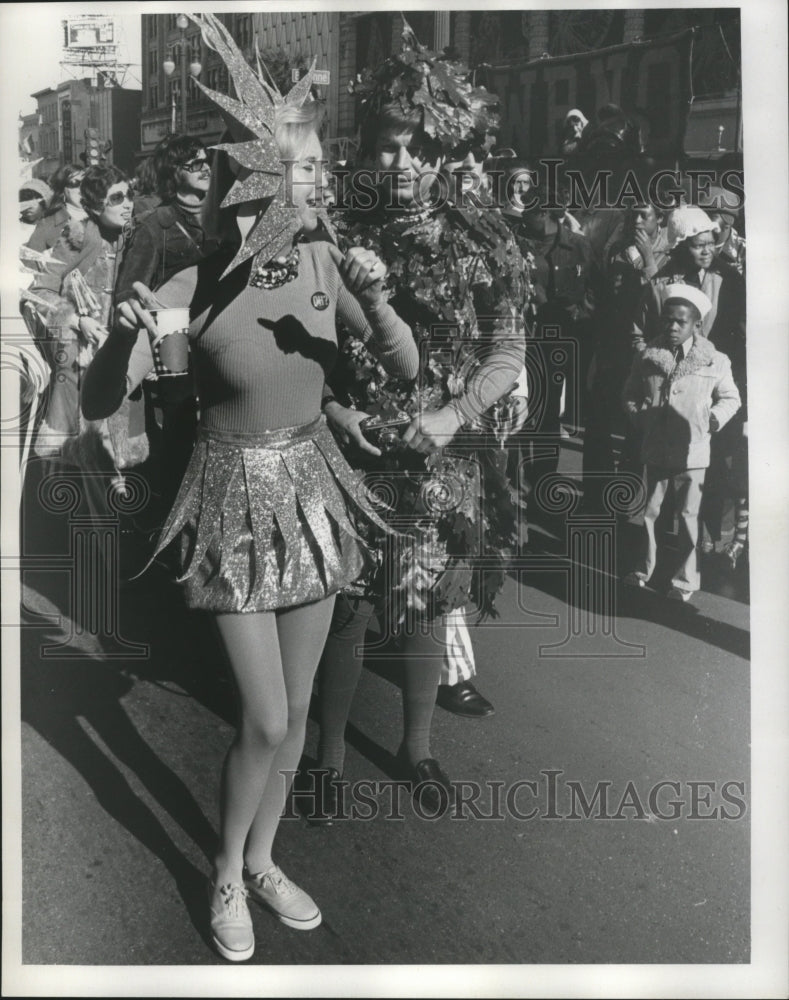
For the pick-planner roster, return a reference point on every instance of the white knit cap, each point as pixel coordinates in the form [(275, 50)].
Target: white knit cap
[(688, 293), (687, 221), (575, 113)]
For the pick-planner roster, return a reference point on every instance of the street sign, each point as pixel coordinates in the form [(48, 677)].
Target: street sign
[(321, 76)]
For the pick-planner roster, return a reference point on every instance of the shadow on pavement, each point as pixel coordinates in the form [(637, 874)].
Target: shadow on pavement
[(76, 706), (648, 604)]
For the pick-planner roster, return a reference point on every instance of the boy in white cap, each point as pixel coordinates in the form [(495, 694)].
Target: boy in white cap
[(680, 391)]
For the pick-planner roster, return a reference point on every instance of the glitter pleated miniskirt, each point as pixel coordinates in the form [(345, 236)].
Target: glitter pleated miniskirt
[(268, 520)]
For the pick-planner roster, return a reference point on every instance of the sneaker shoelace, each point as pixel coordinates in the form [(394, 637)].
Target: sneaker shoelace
[(233, 900), (280, 882)]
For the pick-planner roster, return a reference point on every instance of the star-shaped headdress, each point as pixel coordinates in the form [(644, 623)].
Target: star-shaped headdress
[(253, 111)]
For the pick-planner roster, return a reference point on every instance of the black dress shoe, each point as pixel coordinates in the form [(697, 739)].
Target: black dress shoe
[(464, 699), (431, 788), (327, 802)]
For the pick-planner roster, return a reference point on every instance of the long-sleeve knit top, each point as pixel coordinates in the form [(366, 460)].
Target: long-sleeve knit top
[(260, 356)]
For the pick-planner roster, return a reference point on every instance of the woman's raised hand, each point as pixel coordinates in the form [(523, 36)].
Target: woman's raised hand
[(135, 312), (363, 272)]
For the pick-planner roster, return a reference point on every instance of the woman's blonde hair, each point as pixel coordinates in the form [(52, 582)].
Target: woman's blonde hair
[(292, 128)]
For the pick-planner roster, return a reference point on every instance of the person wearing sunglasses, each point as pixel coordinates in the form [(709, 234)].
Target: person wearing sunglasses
[(74, 296), (164, 241), (170, 236), (65, 206)]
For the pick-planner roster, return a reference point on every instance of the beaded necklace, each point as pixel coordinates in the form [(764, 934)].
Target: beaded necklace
[(276, 272)]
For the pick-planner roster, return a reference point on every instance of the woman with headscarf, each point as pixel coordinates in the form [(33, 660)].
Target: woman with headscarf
[(66, 206)]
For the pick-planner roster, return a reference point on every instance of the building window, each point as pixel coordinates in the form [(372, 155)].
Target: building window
[(153, 98), (243, 32), (153, 65), (216, 79)]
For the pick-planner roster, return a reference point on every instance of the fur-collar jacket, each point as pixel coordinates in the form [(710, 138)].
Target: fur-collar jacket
[(678, 406)]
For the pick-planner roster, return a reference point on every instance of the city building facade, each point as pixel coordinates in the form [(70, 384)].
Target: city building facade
[(345, 43), (67, 111)]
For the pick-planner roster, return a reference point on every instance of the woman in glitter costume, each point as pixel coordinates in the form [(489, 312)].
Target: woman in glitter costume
[(268, 510)]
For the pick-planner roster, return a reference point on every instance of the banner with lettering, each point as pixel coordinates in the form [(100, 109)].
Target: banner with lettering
[(650, 80)]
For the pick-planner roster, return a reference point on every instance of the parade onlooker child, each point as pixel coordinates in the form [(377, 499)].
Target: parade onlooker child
[(692, 238), (679, 393)]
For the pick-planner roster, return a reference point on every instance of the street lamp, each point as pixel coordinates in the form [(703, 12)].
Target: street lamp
[(168, 66)]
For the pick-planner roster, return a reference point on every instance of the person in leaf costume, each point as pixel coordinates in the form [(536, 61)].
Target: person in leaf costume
[(457, 277)]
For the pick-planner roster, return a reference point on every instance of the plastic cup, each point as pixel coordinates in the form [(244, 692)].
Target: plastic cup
[(171, 347)]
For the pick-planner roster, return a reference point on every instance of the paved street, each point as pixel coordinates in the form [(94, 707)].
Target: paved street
[(121, 759)]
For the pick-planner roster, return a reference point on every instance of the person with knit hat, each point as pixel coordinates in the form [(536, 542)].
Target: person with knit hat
[(679, 394), (692, 237), (575, 122)]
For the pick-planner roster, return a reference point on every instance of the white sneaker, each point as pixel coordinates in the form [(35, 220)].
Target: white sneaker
[(292, 905), (675, 594), (231, 923), (634, 580)]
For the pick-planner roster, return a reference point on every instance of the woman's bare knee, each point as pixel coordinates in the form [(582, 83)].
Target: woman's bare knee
[(263, 734)]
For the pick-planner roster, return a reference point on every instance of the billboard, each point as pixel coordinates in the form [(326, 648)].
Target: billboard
[(88, 31)]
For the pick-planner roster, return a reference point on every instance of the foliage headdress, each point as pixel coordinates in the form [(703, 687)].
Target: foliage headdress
[(416, 78), (253, 113)]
